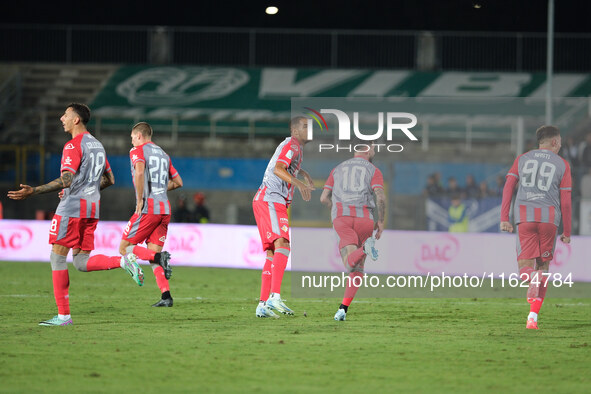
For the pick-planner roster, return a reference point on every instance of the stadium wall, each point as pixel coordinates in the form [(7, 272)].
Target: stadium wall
[(407, 177)]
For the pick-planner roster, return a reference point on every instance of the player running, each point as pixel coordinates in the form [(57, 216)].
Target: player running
[(349, 192), (153, 175), (543, 197), (85, 171), (270, 211)]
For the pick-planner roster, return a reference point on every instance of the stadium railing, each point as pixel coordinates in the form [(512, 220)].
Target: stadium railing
[(484, 51)]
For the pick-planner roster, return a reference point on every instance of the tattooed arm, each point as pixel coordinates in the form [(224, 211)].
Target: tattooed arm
[(381, 202), (107, 179), (26, 191)]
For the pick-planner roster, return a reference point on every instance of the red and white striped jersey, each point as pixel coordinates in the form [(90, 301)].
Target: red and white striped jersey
[(352, 183), (158, 171), (85, 157), (541, 175)]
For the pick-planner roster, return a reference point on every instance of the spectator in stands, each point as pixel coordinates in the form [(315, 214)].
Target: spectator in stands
[(457, 215), (437, 177), (182, 214), (570, 152), (453, 188), (471, 190), (201, 214), (585, 158), (432, 189), (484, 191), (500, 185), (586, 185)]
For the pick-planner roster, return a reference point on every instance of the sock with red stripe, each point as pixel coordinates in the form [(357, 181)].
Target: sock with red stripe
[(161, 280), (266, 279), (355, 257), (536, 303), (100, 262), (351, 288), (278, 268), (144, 253), (61, 286), (535, 306)]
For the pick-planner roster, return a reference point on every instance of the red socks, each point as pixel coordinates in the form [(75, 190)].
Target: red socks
[(100, 262), (144, 253), (278, 268), (536, 300), (351, 288), (535, 304), (161, 280), (266, 279), (355, 256), (61, 285)]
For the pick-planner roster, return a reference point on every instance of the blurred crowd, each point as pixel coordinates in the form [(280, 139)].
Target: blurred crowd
[(471, 189), (186, 212)]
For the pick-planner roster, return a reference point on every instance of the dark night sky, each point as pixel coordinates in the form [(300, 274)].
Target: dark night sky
[(493, 15)]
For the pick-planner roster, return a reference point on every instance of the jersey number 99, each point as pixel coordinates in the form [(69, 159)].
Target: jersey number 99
[(544, 174)]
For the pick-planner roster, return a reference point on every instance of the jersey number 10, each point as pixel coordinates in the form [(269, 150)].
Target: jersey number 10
[(530, 171), (353, 178)]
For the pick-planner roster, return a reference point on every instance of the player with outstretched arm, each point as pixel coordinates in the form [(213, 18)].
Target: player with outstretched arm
[(349, 192), (153, 175), (543, 198), (85, 171), (270, 205)]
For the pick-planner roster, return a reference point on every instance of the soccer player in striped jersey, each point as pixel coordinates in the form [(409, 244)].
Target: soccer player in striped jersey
[(85, 171), (543, 198), (349, 192), (270, 205), (153, 175)]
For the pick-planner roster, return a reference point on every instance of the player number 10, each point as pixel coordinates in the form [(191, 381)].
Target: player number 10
[(349, 178)]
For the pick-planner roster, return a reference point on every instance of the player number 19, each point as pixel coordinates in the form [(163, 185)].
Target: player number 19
[(97, 165)]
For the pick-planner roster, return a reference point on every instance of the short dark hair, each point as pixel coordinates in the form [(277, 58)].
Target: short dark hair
[(81, 110), (546, 132), (295, 120), (144, 128)]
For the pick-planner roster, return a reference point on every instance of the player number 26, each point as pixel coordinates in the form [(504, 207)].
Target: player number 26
[(544, 175), (158, 169)]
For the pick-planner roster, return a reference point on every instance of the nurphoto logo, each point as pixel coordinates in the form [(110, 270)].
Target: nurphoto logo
[(368, 125)]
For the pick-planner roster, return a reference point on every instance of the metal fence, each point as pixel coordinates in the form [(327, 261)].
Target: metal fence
[(291, 47)]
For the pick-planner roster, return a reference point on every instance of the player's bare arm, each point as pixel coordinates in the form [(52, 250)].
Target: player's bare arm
[(281, 172), (107, 179), (308, 179), (381, 203), (326, 197), (26, 191), (175, 183), (138, 179)]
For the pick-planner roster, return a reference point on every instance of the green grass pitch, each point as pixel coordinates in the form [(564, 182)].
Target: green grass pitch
[(210, 341)]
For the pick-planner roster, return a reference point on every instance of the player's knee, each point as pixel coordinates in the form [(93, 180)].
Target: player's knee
[(281, 243), (80, 261), (58, 262)]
